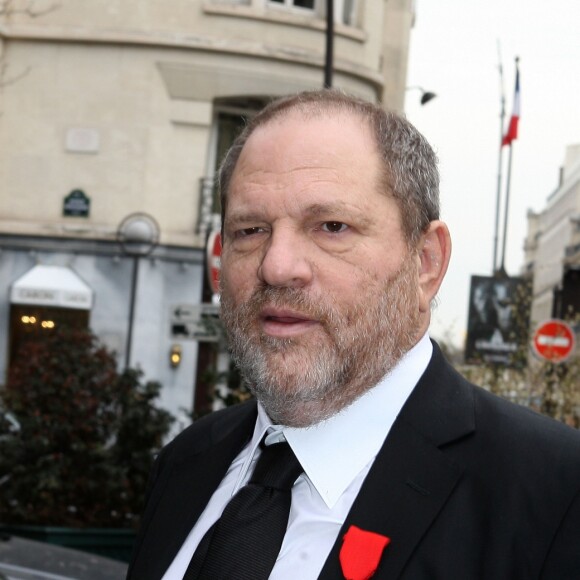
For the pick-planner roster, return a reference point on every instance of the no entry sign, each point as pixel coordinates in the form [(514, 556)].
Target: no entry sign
[(214, 252), (554, 340)]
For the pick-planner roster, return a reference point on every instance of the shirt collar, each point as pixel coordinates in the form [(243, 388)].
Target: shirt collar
[(333, 452)]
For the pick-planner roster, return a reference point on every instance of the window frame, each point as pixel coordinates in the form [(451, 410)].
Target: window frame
[(289, 5), (319, 9)]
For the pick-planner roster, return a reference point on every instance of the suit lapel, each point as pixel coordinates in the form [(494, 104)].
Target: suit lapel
[(411, 477), (187, 488), (404, 491)]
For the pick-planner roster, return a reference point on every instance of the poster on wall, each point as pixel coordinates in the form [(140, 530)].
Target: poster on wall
[(497, 326)]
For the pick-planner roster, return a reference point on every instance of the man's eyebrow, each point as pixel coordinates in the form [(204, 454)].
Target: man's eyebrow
[(334, 210), (244, 216), (337, 209)]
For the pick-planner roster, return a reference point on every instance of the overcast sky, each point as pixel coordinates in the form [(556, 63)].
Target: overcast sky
[(454, 53)]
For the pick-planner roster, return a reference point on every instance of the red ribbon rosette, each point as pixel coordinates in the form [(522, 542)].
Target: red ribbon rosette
[(361, 553)]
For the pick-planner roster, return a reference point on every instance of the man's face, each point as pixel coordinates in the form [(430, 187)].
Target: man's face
[(319, 289)]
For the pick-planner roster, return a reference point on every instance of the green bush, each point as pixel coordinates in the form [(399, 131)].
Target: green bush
[(86, 439)]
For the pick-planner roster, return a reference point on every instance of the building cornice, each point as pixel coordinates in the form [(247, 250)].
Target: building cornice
[(176, 40), (92, 246)]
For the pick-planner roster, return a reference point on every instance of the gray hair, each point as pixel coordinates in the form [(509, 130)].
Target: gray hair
[(409, 163)]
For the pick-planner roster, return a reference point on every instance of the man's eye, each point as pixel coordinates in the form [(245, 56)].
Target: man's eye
[(334, 227), (245, 232)]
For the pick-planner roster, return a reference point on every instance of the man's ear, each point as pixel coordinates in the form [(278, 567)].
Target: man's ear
[(434, 254)]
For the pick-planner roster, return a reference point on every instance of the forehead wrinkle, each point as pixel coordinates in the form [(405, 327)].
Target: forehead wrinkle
[(251, 174), (262, 179)]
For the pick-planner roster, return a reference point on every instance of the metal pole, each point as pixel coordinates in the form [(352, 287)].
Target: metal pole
[(328, 61), (505, 217), (131, 310), (500, 161)]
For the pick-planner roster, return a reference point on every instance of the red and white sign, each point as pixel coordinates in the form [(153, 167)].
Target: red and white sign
[(554, 340), (214, 253)]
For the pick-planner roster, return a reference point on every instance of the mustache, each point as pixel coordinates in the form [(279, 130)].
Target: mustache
[(284, 297)]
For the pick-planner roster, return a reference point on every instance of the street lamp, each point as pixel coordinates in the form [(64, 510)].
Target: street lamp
[(329, 46), (426, 96), (138, 234)]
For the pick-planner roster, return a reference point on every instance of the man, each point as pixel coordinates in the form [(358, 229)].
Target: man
[(333, 252)]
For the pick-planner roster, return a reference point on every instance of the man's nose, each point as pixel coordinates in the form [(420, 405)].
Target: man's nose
[(286, 261)]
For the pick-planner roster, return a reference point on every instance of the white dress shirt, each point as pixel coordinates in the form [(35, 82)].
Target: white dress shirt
[(336, 455)]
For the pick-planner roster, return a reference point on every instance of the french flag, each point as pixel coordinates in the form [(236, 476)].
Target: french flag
[(512, 132)]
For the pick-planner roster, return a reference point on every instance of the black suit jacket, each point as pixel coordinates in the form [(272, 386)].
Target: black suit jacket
[(466, 486)]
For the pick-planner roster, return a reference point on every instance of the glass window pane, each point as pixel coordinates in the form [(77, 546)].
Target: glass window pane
[(348, 12)]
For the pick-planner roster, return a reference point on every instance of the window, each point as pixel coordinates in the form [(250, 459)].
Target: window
[(229, 126), (230, 117), (344, 10), (348, 14), (308, 4), (32, 323)]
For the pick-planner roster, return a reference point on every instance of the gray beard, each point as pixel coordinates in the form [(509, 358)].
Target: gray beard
[(302, 381)]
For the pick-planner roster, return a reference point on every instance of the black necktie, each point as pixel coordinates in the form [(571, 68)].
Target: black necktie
[(245, 541)]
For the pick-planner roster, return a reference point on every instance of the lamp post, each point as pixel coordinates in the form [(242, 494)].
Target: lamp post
[(426, 96), (137, 234), (329, 48)]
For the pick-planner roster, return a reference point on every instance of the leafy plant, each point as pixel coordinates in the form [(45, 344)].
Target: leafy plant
[(224, 387), (550, 388), (86, 439)]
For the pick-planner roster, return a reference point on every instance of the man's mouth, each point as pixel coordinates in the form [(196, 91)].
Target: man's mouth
[(285, 323)]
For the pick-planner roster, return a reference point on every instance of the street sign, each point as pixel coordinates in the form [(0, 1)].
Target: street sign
[(195, 322), (214, 252), (554, 340), (76, 204)]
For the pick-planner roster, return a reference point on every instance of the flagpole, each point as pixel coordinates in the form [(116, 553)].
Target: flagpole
[(500, 161), (508, 139), (502, 270)]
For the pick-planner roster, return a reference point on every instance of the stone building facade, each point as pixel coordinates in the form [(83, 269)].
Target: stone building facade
[(113, 118), (552, 247)]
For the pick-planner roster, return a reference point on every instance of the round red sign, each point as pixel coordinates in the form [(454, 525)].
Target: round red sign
[(554, 340), (214, 252)]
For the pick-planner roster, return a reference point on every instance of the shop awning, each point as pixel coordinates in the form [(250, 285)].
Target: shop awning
[(57, 286)]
